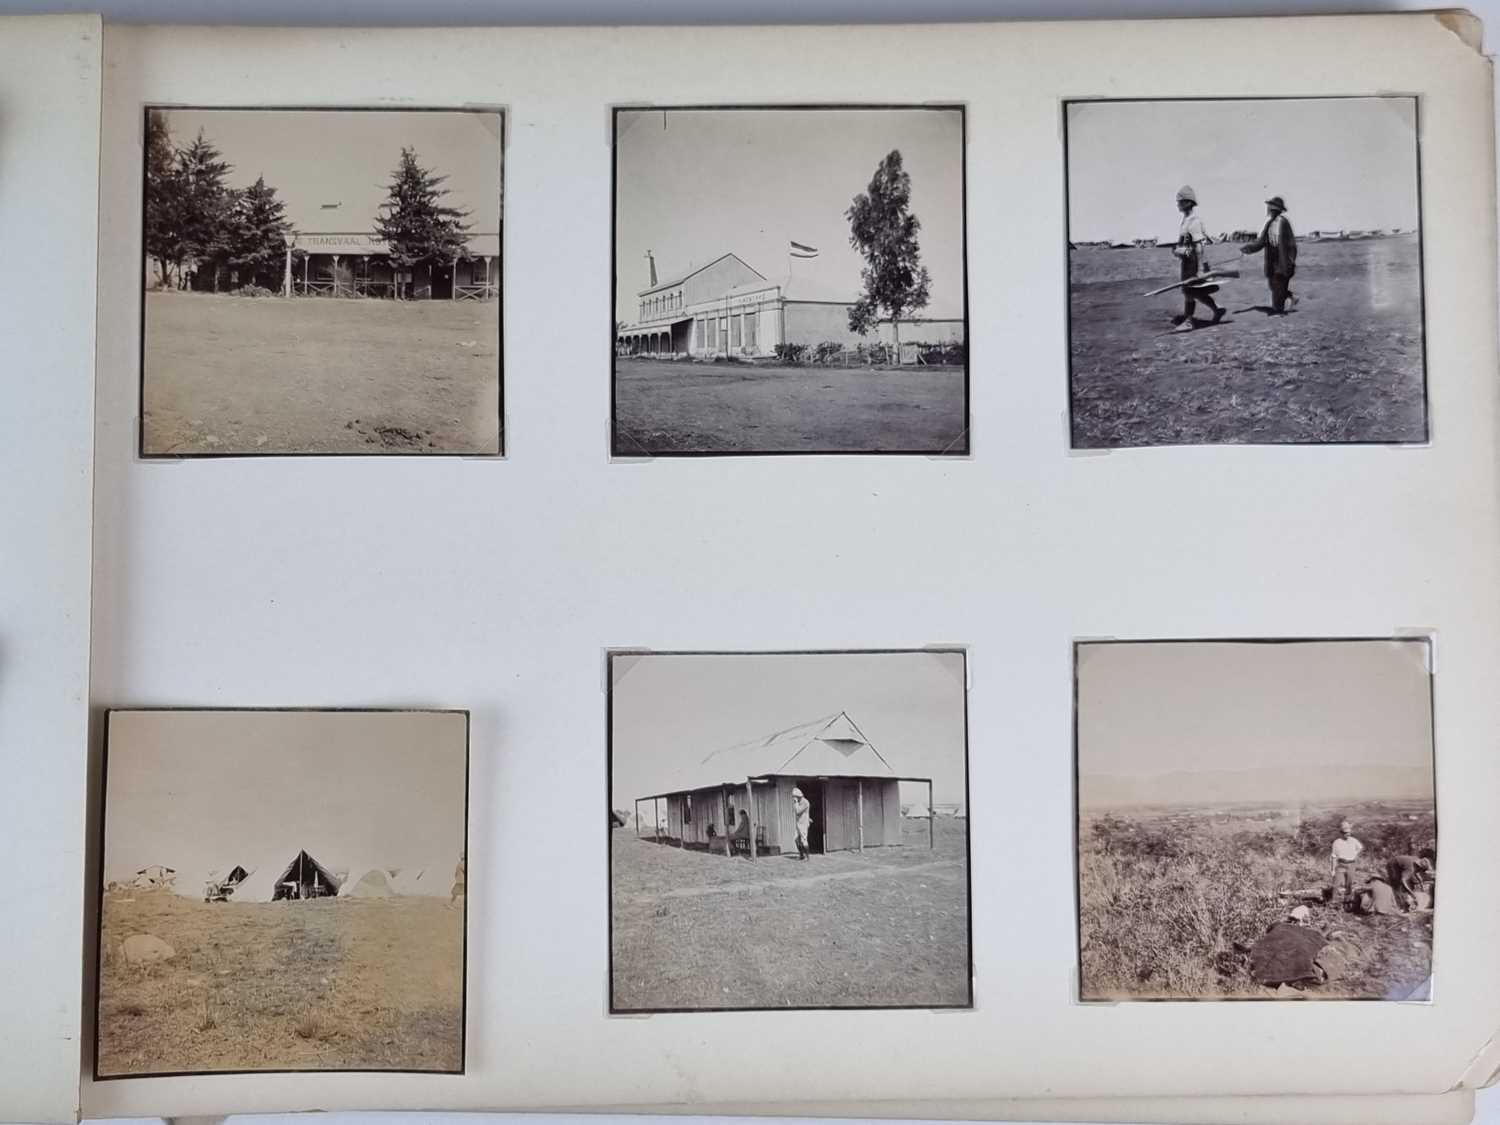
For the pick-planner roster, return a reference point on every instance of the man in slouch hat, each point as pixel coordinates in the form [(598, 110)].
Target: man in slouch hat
[(1279, 242)]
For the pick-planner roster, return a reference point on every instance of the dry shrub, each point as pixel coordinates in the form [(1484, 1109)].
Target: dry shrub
[(313, 1026), (1164, 900)]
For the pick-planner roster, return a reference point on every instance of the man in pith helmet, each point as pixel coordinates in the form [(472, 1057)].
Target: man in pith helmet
[(802, 814), (1279, 242), (1192, 251)]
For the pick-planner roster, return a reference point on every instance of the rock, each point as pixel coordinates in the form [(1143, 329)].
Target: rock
[(146, 949)]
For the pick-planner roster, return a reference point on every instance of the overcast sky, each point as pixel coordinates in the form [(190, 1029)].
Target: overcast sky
[(1340, 163), (317, 157), (671, 712), (1154, 708), (695, 184), (190, 789)]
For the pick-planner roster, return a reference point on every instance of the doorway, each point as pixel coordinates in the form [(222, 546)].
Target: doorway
[(814, 791)]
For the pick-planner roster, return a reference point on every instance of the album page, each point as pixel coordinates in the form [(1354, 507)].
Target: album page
[(49, 157), (1001, 517)]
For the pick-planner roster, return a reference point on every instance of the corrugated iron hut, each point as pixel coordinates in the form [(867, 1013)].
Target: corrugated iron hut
[(740, 798)]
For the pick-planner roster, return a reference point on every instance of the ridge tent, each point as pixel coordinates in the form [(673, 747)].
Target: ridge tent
[(302, 877), (430, 881), (374, 883), (156, 875), (854, 792), (209, 883)]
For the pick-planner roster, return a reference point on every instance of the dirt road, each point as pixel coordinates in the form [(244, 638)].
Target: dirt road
[(227, 374)]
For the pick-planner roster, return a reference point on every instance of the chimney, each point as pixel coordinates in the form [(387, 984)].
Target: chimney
[(651, 262)]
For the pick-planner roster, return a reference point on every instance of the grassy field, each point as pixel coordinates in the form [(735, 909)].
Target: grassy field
[(325, 984), (227, 374), (1167, 895), (682, 407), (1346, 366), (695, 929)]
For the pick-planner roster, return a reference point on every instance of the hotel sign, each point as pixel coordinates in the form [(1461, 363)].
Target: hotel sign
[(363, 242), (339, 243)]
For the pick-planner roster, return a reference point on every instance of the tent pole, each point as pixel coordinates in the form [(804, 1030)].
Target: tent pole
[(637, 818), (750, 801), (859, 805), (930, 843), (656, 819), (724, 820)]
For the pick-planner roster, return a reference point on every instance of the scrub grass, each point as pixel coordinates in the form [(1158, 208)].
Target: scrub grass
[(1167, 894), (322, 984), (1346, 366)]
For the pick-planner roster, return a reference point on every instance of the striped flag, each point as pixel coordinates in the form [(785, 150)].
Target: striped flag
[(797, 250)]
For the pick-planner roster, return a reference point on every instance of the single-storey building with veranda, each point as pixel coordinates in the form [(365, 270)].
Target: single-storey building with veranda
[(348, 264), (354, 264), (728, 308), (853, 791)]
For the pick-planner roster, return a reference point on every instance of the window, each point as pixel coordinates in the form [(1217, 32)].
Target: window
[(713, 335), (750, 322), (734, 331), (698, 335)]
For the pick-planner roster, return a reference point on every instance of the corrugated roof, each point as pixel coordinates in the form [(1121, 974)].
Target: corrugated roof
[(831, 746)]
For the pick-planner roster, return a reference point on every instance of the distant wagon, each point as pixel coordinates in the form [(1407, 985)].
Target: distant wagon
[(742, 796)]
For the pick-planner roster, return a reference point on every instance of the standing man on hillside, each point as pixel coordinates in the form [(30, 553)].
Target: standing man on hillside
[(1346, 849), (1279, 242)]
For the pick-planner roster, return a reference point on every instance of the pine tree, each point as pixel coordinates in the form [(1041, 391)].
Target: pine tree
[(258, 234), (163, 220), (207, 204), (416, 226), (883, 229)]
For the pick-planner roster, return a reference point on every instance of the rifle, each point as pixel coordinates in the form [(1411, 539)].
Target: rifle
[(1213, 274)]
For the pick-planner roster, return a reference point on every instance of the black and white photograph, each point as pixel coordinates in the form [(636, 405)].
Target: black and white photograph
[(1245, 271), (788, 830), (282, 890), (789, 280), (1256, 820), (321, 282)]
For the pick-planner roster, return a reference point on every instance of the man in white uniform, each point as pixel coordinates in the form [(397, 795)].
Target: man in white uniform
[(1346, 849), (1192, 251)]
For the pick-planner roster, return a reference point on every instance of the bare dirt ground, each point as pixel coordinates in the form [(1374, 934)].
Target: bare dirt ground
[(695, 929), (1346, 366), (664, 406), (325, 984), (1166, 894), (226, 374)]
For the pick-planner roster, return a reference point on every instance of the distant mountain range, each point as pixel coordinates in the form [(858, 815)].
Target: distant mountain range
[(1291, 785)]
